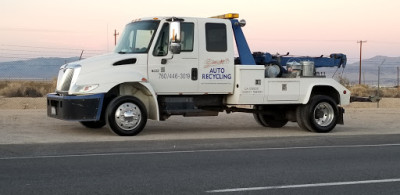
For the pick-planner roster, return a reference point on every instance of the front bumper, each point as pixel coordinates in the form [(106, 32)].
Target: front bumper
[(78, 108)]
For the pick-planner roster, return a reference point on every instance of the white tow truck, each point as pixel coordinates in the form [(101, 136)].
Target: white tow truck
[(165, 66)]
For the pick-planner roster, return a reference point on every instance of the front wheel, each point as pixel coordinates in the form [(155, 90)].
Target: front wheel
[(126, 116), (93, 124), (319, 115)]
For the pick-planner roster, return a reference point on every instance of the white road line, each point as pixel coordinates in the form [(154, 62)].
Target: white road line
[(195, 151), (305, 185)]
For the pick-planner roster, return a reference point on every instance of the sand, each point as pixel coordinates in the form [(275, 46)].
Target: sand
[(24, 121)]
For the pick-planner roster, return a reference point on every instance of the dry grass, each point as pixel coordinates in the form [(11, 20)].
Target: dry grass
[(366, 91), (26, 88)]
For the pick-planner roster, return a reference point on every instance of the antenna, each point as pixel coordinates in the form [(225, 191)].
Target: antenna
[(80, 57)]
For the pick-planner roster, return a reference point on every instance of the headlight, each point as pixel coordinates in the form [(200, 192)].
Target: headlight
[(83, 88)]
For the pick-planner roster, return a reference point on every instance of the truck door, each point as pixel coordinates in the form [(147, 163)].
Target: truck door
[(175, 73), (216, 61)]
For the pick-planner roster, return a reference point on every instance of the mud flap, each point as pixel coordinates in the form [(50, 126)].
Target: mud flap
[(340, 120)]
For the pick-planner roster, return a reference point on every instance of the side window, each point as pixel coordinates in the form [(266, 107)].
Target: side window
[(216, 40), (142, 40), (161, 48), (187, 36)]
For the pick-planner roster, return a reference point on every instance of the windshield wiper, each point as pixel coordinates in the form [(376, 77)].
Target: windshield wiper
[(122, 52)]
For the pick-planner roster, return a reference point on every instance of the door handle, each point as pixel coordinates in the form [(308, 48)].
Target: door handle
[(194, 74)]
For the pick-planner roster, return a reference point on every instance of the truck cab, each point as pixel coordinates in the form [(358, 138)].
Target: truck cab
[(204, 63), (165, 66)]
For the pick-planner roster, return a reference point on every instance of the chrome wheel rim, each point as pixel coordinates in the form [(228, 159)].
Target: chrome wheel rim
[(324, 114), (128, 116)]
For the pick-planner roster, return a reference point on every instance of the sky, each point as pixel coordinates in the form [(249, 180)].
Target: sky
[(301, 27)]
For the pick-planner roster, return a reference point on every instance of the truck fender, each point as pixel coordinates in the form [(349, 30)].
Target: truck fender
[(145, 93), (322, 90)]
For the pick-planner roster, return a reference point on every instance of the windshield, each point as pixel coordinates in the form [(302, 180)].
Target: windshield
[(137, 37)]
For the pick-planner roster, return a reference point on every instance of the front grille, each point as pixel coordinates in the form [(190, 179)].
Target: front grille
[(65, 81)]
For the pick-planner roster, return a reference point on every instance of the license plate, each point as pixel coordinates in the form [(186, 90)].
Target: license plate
[(53, 110)]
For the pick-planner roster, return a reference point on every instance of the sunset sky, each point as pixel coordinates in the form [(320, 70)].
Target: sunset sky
[(301, 27)]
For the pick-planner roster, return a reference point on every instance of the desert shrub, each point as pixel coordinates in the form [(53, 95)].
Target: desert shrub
[(390, 92), (32, 92), (26, 88), (3, 84), (366, 91), (361, 90), (344, 81), (398, 92)]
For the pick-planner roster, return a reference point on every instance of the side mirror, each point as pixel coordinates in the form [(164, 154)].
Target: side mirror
[(175, 37), (175, 48)]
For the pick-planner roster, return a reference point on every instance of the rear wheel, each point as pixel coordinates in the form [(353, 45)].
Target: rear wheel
[(300, 119), (275, 121), (257, 116), (272, 121), (126, 116), (319, 115)]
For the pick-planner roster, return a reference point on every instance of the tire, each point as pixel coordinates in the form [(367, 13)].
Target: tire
[(93, 124), (257, 117), (273, 122), (300, 119), (276, 121), (126, 116), (319, 115)]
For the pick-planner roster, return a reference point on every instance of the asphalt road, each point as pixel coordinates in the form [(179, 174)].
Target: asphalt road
[(363, 164)]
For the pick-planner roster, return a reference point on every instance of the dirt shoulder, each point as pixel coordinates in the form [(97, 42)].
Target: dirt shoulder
[(24, 120), (22, 103)]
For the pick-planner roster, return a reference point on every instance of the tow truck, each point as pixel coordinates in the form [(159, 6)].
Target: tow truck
[(165, 66)]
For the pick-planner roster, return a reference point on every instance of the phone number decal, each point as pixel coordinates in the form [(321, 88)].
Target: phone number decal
[(174, 76)]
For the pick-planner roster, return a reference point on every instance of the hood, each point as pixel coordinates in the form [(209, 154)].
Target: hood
[(111, 59), (103, 72)]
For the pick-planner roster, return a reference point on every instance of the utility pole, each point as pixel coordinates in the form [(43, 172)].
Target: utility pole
[(359, 76), (115, 36)]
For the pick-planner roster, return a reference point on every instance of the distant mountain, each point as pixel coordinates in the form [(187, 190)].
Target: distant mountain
[(369, 71), (47, 68), (38, 68)]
